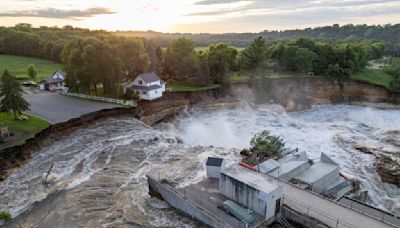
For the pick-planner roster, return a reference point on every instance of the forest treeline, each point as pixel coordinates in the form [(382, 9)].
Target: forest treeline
[(389, 33), (93, 58)]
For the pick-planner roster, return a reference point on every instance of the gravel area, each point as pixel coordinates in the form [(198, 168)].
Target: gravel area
[(57, 108)]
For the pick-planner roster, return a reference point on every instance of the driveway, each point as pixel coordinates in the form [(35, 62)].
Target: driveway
[(57, 108)]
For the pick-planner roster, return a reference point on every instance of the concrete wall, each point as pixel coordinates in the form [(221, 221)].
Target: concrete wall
[(291, 174), (293, 216), (325, 182), (178, 202), (213, 171), (250, 197)]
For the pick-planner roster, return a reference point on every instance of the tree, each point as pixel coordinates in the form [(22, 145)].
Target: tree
[(11, 95), (32, 72), (304, 60), (336, 71), (266, 144), (180, 62), (288, 58), (395, 83), (221, 59), (254, 55)]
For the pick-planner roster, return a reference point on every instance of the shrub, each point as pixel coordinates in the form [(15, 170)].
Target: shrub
[(5, 216), (266, 144)]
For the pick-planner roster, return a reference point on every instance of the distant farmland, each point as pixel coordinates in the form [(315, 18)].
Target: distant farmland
[(18, 65)]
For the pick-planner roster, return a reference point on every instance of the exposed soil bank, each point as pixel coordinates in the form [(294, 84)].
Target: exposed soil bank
[(292, 93)]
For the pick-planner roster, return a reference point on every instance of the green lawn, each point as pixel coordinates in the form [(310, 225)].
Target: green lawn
[(181, 87), (29, 127), (18, 66), (237, 77), (376, 77)]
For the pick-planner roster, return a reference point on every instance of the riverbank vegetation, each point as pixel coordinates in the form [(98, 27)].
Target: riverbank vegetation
[(99, 60)]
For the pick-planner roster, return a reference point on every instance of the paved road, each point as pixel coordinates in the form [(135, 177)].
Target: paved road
[(325, 210), (57, 108)]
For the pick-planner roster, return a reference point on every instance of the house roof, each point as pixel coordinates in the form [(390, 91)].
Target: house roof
[(51, 80), (149, 77), (144, 88), (214, 161)]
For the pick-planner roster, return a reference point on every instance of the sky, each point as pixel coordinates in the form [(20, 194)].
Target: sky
[(197, 16)]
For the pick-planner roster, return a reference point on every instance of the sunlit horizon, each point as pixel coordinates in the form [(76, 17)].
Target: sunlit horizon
[(198, 16)]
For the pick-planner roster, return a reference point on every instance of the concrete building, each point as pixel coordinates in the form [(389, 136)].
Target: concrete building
[(256, 191), (322, 176), (149, 86), (213, 167)]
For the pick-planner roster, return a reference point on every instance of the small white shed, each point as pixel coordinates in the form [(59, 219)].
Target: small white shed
[(213, 167)]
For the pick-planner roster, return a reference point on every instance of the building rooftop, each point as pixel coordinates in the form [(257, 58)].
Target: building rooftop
[(268, 166), (287, 167), (214, 161), (316, 172), (149, 77), (256, 180)]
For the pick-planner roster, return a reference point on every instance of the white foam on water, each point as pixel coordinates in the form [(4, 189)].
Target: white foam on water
[(334, 130)]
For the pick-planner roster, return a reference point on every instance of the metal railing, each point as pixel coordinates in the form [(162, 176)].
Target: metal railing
[(364, 208), (312, 212), (104, 99)]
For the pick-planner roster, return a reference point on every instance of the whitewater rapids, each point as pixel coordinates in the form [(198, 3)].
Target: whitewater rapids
[(100, 170)]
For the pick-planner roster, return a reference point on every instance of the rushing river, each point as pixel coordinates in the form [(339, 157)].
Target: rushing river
[(100, 170)]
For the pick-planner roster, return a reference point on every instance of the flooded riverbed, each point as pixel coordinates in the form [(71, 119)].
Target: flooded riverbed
[(100, 170)]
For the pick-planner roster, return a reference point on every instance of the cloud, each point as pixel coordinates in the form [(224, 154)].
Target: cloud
[(263, 6), (212, 2), (59, 13)]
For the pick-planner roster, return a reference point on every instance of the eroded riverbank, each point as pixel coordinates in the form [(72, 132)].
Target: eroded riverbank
[(100, 159)]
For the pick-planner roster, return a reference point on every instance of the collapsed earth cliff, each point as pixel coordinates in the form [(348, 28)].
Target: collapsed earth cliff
[(292, 93)]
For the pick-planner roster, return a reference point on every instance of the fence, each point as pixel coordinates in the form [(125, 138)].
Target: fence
[(379, 214), (309, 211), (104, 99)]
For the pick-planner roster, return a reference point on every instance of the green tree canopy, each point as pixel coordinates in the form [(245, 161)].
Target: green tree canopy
[(221, 60), (266, 144), (253, 56), (11, 95), (32, 72), (304, 60), (180, 62)]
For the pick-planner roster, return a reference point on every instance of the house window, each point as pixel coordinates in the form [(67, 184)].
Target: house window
[(144, 92), (140, 82)]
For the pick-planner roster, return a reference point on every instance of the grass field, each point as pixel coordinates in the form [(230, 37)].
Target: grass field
[(376, 77), (18, 65), (267, 75), (181, 87), (28, 128)]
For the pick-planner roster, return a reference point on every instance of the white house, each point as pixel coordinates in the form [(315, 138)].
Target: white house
[(148, 85), (54, 82)]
